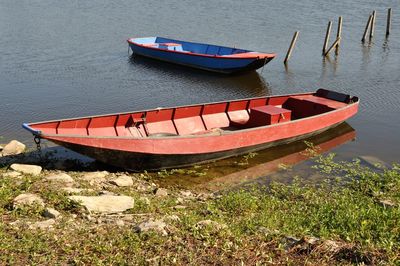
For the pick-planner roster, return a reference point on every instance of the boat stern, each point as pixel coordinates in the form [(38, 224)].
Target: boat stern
[(142, 40)]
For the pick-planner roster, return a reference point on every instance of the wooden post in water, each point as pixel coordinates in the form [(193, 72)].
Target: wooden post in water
[(371, 33), (289, 52), (333, 46), (389, 17), (367, 28), (339, 34), (328, 33)]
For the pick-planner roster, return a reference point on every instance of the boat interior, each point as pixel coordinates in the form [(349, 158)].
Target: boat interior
[(196, 48), (211, 118)]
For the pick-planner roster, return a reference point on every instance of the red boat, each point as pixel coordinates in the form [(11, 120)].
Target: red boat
[(186, 135)]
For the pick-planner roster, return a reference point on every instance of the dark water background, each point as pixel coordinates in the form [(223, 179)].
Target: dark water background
[(62, 59)]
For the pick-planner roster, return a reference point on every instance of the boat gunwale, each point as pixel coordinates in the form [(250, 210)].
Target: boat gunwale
[(211, 134), (269, 55)]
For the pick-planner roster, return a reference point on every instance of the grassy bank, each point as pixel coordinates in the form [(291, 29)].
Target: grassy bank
[(353, 217)]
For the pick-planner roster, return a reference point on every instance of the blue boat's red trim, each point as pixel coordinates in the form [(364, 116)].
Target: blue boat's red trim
[(257, 63)]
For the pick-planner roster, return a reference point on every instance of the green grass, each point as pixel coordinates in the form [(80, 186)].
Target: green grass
[(254, 224)]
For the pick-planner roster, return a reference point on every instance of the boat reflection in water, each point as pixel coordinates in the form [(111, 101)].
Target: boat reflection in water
[(246, 84), (235, 171)]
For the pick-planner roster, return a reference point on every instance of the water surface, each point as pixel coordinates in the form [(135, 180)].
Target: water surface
[(62, 59)]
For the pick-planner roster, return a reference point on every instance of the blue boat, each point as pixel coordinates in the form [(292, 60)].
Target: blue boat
[(209, 57)]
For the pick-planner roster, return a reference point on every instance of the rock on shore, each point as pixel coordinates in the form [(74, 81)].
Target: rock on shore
[(12, 174), (211, 224), (43, 225), (27, 199), (152, 225), (59, 177), (14, 147), (51, 213), (105, 203), (95, 177), (161, 192), (122, 181), (26, 168)]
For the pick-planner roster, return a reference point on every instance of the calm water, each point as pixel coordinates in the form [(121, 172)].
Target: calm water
[(63, 59)]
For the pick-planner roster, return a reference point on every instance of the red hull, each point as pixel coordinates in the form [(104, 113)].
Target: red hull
[(180, 136)]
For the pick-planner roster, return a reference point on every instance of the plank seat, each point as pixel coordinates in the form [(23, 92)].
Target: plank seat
[(307, 106), (320, 100), (265, 115), (149, 44)]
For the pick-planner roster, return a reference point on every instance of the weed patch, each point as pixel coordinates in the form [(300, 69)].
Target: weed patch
[(339, 221)]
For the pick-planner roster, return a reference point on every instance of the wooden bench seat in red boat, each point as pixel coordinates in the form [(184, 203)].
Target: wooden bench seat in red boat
[(309, 106), (320, 100), (265, 115)]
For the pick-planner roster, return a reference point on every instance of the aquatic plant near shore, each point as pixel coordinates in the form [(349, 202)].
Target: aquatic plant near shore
[(352, 217)]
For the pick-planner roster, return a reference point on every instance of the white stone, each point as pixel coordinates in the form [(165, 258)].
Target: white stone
[(27, 199), (161, 192), (95, 177), (152, 225), (12, 174), (51, 213), (104, 203), (14, 147), (122, 181), (43, 224), (60, 177), (26, 168)]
